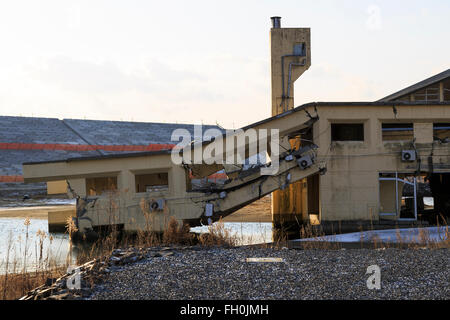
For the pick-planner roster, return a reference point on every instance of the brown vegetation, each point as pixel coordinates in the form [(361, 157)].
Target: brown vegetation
[(17, 283)]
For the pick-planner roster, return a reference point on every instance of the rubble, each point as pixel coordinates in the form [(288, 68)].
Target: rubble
[(90, 274)]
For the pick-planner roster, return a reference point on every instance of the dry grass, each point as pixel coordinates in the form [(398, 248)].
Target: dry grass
[(176, 234), (218, 235), (19, 281), (309, 231), (423, 239), (15, 285)]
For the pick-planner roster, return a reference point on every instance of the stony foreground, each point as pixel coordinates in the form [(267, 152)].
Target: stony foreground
[(218, 273)]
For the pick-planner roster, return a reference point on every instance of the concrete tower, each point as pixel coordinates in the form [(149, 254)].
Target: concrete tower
[(290, 56)]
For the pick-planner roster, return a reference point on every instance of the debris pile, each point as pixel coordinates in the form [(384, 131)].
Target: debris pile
[(79, 283)]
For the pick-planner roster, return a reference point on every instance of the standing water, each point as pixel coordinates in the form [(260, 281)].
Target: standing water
[(42, 249), (37, 251)]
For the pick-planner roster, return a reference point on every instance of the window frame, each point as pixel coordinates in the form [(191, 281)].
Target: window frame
[(162, 190), (443, 126), (334, 124), (400, 127), (115, 179), (427, 93)]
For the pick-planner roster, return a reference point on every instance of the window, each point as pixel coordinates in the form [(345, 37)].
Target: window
[(347, 132), (405, 196), (429, 94), (300, 49), (397, 131), (447, 90), (152, 182), (441, 131), (97, 186)]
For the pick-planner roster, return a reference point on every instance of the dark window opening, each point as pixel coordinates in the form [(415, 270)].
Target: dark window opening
[(98, 186), (441, 131), (439, 185), (397, 131), (446, 88), (306, 137), (151, 182), (347, 132), (301, 138)]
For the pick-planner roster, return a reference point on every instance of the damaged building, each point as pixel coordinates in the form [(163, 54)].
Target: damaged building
[(342, 165), (33, 139)]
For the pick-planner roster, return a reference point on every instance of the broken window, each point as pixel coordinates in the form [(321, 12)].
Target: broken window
[(347, 132), (409, 201), (99, 185), (397, 131), (151, 182), (441, 131), (400, 196), (429, 94)]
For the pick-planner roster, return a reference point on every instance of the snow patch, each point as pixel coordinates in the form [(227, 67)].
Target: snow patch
[(406, 235)]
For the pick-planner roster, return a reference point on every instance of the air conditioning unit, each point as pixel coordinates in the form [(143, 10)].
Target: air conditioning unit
[(305, 161), (156, 205), (408, 155)]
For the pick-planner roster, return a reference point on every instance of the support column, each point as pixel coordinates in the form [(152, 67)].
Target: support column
[(290, 57)]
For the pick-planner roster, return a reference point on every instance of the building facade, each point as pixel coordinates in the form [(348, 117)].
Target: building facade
[(373, 164)]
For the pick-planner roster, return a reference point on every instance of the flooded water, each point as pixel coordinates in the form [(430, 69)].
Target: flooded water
[(246, 233), (12, 203), (16, 249), (39, 249)]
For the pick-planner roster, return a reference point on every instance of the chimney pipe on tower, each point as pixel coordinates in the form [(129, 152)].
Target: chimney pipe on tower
[(276, 22)]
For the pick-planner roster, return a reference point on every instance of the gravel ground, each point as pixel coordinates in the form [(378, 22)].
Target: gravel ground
[(218, 273)]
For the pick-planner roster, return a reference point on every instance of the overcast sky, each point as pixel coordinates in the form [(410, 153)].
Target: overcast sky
[(206, 61)]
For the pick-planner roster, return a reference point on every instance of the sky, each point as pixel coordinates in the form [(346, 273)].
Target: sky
[(206, 61)]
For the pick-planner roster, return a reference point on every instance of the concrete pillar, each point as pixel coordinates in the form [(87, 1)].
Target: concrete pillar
[(423, 132), (79, 186), (290, 57), (125, 184)]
